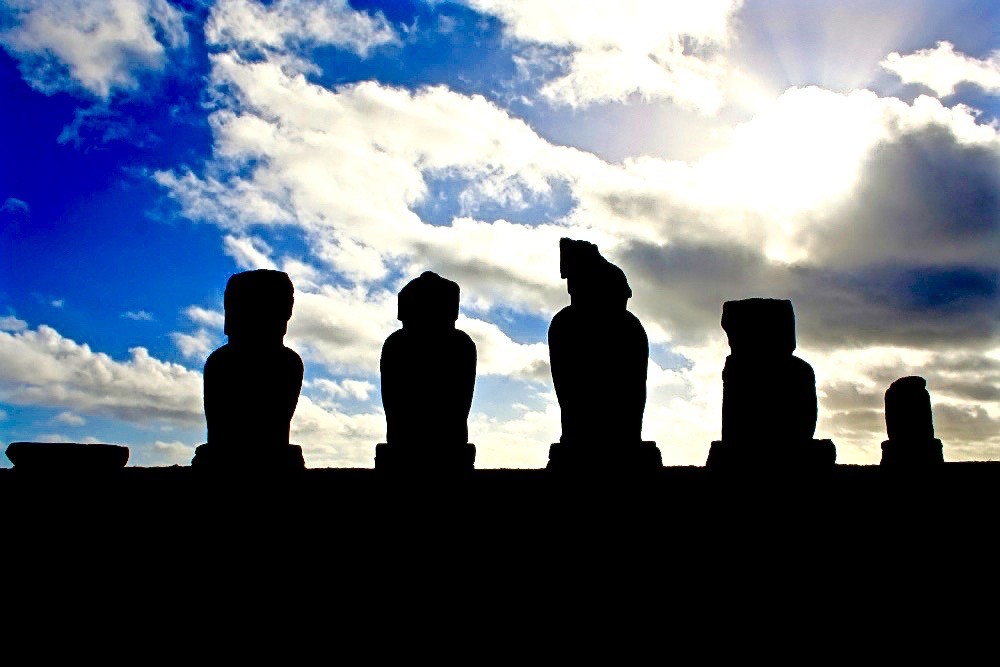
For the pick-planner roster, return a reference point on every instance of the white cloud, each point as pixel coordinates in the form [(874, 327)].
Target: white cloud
[(161, 453), (11, 323), (138, 315), (58, 303), (659, 49), (330, 437), (41, 367), (99, 46), (357, 389), (205, 317), (70, 419), (285, 23), (499, 355), (196, 346), (942, 68), (249, 252)]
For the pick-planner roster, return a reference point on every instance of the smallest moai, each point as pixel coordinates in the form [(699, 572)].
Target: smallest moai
[(769, 405), (910, 425), (428, 371), (252, 383)]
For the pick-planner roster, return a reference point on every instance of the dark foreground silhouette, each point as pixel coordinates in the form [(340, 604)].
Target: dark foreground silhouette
[(428, 373), (252, 383), (910, 425), (599, 353), (768, 394)]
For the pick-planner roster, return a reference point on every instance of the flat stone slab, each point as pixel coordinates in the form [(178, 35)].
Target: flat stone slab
[(66, 456), (809, 455), (604, 456), (286, 458), (425, 457), (912, 453)]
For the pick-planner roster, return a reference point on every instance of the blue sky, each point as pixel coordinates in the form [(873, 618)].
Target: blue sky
[(841, 154)]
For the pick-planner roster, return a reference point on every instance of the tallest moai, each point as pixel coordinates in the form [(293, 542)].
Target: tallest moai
[(769, 395)]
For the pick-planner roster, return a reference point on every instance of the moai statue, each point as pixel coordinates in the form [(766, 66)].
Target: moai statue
[(598, 352), (428, 377), (768, 394), (252, 383), (910, 425)]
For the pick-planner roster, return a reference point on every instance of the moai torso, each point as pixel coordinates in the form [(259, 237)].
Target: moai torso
[(598, 352), (428, 367), (251, 393), (252, 383), (908, 410), (768, 394), (910, 425)]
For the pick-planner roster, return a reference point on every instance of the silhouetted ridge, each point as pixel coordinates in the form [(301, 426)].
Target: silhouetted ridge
[(599, 354), (428, 371), (252, 383), (910, 425), (769, 405)]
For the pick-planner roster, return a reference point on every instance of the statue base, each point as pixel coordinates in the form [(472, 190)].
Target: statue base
[(912, 453), (604, 457), (809, 455), (425, 457), (217, 458)]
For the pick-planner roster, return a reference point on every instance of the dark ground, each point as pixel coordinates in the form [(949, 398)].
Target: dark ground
[(767, 554)]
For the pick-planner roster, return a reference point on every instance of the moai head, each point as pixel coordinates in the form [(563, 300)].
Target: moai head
[(908, 410), (429, 302), (258, 306), (592, 281), (759, 326)]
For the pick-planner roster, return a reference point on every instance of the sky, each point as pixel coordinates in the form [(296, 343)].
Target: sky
[(844, 154)]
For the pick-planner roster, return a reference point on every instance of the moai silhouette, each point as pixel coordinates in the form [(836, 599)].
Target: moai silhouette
[(768, 394), (599, 353), (252, 383), (428, 373), (910, 425)]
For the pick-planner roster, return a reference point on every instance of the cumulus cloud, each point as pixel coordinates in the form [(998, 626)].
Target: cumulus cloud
[(357, 389), (11, 323), (70, 419), (286, 24), (194, 346), (89, 44), (659, 49), (205, 316), (137, 315), (942, 68), (41, 367), (161, 453)]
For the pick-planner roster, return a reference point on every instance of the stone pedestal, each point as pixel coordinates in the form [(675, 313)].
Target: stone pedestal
[(804, 456), (215, 458), (425, 458), (912, 453), (643, 456)]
